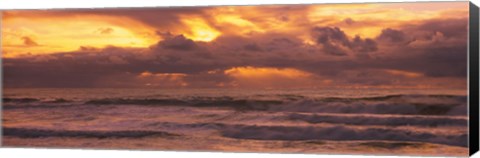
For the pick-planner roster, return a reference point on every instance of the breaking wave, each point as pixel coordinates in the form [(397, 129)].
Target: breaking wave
[(340, 133), (337, 132)]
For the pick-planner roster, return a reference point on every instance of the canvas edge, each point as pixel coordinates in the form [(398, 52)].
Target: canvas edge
[(473, 68)]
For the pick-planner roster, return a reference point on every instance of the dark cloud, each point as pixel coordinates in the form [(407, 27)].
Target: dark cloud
[(440, 62), (448, 27), (363, 45), (252, 47), (336, 42), (392, 35), (178, 42)]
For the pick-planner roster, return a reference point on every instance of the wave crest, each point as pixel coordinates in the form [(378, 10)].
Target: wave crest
[(340, 133)]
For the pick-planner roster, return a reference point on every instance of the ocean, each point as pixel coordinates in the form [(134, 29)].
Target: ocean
[(337, 121)]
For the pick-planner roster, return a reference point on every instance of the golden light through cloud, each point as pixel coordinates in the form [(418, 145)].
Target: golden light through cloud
[(162, 79), (63, 34), (265, 72), (171, 76), (245, 46), (244, 25), (368, 20), (404, 73), (268, 77), (199, 30), (262, 75), (54, 33)]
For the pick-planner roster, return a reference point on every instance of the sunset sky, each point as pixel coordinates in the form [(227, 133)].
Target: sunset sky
[(379, 45)]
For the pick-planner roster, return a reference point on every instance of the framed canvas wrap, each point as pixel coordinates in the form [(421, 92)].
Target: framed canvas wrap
[(365, 78)]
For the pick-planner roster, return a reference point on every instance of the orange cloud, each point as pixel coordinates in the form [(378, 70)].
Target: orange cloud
[(269, 77), (235, 36), (265, 72), (199, 30), (163, 79), (236, 24), (368, 20), (28, 41), (404, 73), (69, 33), (64, 31)]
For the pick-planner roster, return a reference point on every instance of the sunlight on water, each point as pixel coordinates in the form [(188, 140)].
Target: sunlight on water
[(416, 122)]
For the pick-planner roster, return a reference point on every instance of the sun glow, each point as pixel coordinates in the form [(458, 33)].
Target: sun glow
[(265, 72), (239, 23), (269, 77), (162, 79), (47, 35), (199, 30)]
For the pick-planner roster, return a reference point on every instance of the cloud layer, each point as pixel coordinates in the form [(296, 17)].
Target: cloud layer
[(245, 47)]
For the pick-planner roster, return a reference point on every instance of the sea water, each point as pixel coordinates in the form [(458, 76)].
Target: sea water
[(351, 121)]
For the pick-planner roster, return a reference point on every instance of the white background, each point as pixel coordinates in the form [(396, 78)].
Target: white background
[(81, 153)]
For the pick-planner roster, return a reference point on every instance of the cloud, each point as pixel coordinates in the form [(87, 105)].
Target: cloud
[(336, 42), (105, 31), (363, 45), (252, 47), (27, 41), (165, 80), (254, 72), (269, 77), (178, 42), (349, 21), (454, 27), (392, 35), (117, 60), (404, 73), (255, 48), (199, 29)]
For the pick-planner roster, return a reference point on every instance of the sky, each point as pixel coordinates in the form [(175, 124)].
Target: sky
[(372, 45)]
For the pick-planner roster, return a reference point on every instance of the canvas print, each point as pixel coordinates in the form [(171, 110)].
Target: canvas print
[(372, 78)]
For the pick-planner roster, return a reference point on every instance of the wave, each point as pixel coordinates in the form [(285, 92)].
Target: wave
[(261, 132), (238, 104), (279, 98), (390, 104), (380, 120), (391, 145), (36, 106), (59, 100), (402, 108), (339, 133), (393, 97), (40, 133), (32, 100), (336, 132), (20, 100)]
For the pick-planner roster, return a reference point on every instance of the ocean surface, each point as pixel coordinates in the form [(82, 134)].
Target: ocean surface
[(346, 121)]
